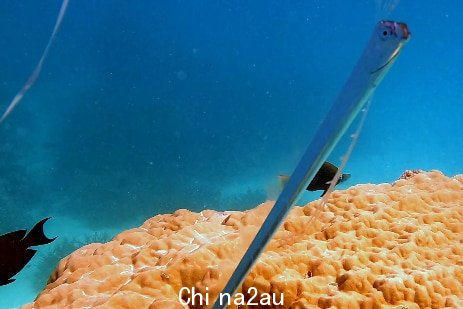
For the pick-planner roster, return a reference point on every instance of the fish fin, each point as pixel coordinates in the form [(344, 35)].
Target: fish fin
[(12, 267), (36, 236), (344, 177), (324, 191), (8, 281), (12, 237), (283, 180), (329, 165)]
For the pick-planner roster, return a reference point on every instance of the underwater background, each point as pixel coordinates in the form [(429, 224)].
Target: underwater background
[(150, 106)]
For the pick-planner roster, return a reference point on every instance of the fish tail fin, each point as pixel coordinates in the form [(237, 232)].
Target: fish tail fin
[(283, 180), (345, 177), (36, 236)]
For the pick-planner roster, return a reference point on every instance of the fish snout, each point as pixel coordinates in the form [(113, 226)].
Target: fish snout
[(405, 32)]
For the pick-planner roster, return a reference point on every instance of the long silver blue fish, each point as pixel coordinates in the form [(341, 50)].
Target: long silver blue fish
[(380, 53)]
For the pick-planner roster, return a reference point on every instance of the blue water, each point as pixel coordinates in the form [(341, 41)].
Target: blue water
[(150, 106)]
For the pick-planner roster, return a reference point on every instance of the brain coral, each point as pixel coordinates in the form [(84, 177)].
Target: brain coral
[(393, 245)]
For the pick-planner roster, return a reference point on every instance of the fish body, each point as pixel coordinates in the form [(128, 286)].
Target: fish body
[(381, 51), (322, 179), (15, 251)]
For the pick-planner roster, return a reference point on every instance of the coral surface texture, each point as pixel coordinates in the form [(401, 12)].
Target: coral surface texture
[(397, 245)]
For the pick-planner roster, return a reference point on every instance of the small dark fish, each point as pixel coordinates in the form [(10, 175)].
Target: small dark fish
[(322, 179), (15, 252)]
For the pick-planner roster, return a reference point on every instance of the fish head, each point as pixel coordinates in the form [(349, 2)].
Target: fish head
[(388, 28), (387, 41)]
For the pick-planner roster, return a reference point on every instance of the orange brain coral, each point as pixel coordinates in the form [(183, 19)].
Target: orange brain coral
[(394, 245)]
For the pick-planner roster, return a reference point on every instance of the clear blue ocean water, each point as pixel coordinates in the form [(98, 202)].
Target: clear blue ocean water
[(145, 107)]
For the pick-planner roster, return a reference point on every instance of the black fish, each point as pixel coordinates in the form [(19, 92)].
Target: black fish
[(15, 252), (322, 179)]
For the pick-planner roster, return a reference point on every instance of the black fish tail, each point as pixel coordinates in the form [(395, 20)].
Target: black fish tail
[(345, 177), (36, 236)]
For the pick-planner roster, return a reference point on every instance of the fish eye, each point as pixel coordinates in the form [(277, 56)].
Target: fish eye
[(385, 34)]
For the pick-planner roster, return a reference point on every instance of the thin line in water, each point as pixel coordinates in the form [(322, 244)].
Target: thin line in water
[(35, 74)]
